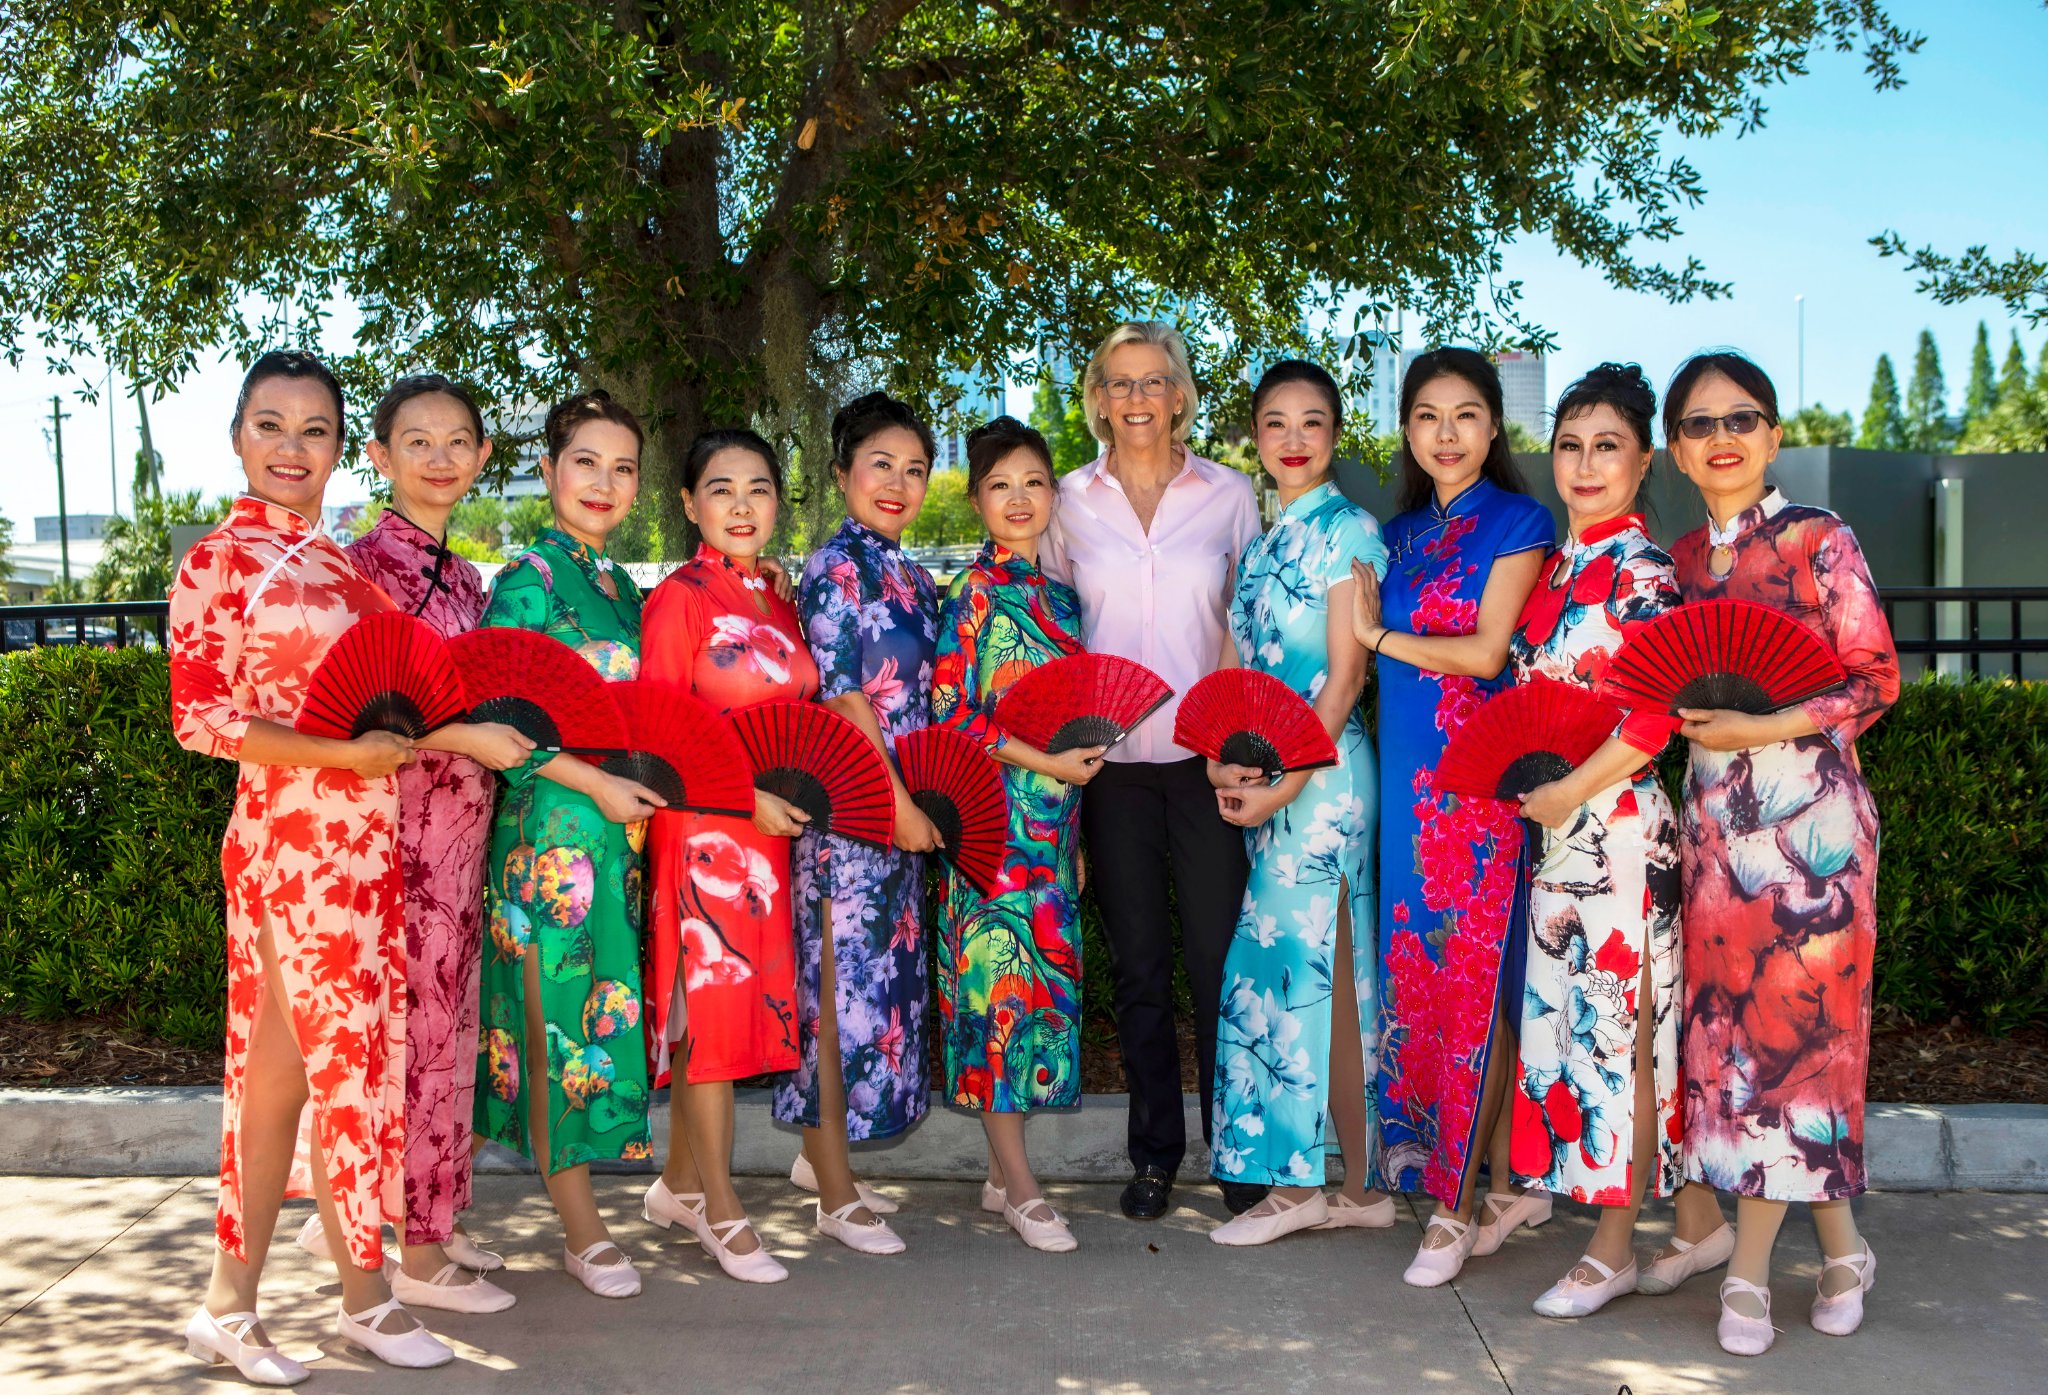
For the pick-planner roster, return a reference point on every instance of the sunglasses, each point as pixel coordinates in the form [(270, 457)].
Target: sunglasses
[(1739, 423)]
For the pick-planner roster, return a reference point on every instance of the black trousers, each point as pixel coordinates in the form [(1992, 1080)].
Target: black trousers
[(1145, 822)]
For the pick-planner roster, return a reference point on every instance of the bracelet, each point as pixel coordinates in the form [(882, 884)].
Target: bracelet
[(1384, 632)]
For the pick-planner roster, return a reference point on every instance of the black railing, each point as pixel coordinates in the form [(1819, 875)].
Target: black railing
[(107, 624), (1971, 623)]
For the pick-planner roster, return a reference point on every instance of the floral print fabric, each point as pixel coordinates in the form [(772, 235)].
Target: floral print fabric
[(721, 888), (310, 859), (444, 822), (1603, 898), (870, 615), (1010, 963), (1780, 854), (565, 882), (1450, 870), (1273, 1047)]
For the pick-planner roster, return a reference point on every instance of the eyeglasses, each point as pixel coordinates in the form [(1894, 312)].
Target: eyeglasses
[(1701, 427), (1154, 386)]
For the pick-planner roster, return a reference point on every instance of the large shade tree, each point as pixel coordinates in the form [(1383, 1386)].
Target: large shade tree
[(737, 211)]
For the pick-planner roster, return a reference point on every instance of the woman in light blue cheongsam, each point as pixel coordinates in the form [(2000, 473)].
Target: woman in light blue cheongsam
[(1292, 1045)]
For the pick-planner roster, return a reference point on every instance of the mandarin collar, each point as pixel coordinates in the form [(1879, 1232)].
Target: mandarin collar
[(252, 509), (855, 529), (1751, 517), (395, 522), (1310, 501), (590, 558), (1464, 501), (711, 556), (1601, 532), (993, 554)]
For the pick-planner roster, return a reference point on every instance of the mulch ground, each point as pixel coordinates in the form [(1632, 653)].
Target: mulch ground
[(1946, 1064)]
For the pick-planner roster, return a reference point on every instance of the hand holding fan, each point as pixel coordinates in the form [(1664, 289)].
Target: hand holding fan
[(1525, 736), (389, 672), (1240, 716), (682, 749), (960, 789), (1080, 700), (1734, 655), (823, 764), (540, 687)]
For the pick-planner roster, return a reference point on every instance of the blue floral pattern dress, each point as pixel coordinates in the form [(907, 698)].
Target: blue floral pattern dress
[(1450, 870), (871, 616), (1273, 1041), (1010, 963)]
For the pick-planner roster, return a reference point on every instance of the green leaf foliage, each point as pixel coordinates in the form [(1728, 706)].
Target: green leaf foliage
[(735, 214), (110, 834)]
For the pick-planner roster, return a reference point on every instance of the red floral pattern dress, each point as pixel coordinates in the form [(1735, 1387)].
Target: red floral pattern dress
[(1603, 897), (310, 858), (1780, 854), (444, 827), (1450, 870), (722, 911)]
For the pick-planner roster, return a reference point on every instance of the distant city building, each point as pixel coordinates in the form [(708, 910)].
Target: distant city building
[(1524, 396), (975, 403), (1381, 403), (82, 526)]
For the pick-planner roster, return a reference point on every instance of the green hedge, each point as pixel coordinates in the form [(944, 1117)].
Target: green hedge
[(109, 846), (110, 852)]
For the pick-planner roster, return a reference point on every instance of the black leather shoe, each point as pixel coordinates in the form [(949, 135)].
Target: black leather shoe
[(1149, 1195), (1240, 1197)]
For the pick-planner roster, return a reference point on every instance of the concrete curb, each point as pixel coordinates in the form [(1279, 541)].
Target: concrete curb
[(175, 1132)]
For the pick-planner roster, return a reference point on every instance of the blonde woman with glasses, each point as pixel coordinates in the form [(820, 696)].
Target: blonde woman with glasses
[(1149, 534)]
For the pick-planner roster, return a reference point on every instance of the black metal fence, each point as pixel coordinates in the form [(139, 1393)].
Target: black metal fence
[(1999, 630), (107, 624)]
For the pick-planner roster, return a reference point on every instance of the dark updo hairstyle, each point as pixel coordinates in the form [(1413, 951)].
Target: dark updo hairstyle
[(1621, 386), (1736, 368), (384, 415), (867, 417), (710, 443), (566, 417), (289, 363), (990, 443), (1474, 368), (1297, 370)]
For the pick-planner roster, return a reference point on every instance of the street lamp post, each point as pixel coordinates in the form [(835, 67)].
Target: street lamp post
[(1800, 302)]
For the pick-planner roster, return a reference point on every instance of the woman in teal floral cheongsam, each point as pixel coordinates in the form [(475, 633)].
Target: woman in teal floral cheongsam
[(1291, 1046), (1010, 963)]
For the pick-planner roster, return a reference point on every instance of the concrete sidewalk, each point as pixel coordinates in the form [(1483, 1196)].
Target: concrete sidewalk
[(98, 1276)]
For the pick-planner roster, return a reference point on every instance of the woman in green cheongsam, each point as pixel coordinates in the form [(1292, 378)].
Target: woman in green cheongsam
[(1010, 962), (561, 980)]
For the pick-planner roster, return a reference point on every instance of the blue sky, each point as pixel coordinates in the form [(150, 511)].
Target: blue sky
[(1956, 157)]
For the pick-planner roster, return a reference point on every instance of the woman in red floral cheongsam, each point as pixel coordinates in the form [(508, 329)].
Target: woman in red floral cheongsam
[(315, 921), (721, 961)]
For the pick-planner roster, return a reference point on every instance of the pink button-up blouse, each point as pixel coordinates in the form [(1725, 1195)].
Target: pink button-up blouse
[(1163, 597)]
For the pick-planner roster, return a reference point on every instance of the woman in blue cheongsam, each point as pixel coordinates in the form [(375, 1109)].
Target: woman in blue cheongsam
[(871, 616), (1291, 1045)]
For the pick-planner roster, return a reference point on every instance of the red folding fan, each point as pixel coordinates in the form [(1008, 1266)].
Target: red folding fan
[(539, 686), (1241, 716), (960, 789), (1735, 655), (1080, 700), (681, 748), (1525, 736), (823, 764), (389, 672)]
